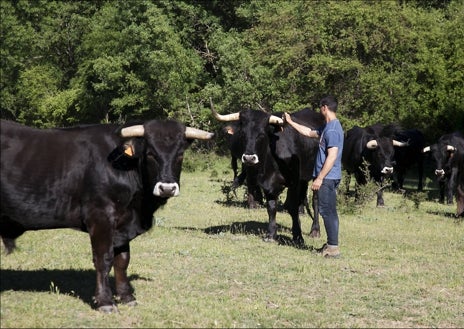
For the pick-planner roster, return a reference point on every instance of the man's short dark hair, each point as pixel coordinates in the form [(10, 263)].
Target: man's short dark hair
[(330, 101)]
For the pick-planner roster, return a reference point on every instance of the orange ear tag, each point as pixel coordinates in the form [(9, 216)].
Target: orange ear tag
[(128, 150)]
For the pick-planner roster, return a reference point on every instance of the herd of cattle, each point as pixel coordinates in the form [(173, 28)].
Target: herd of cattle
[(269, 154), (108, 180)]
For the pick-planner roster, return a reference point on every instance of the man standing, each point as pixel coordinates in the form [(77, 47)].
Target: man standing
[(327, 170)]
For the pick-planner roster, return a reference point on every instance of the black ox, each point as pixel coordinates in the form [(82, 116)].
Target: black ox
[(409, 155), (459, 161), (375, 146), (280, 159), (101, 179), (446, 170), (248, 175)]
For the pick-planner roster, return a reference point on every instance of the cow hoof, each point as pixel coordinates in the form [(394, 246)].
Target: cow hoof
[(132, 303), (269, 240), (108, 309), (315, 234), (298, 241)]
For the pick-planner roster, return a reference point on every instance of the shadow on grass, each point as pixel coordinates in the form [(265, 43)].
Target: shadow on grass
[(258, 229), (232, 203), (444, 214), (76, 283)]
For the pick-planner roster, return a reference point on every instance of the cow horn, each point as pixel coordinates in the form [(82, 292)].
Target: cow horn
[(227, 117), (450, 148), (400, 144), (275, 120), (191, 133), (426, 149), (133, 131), (371, 144)]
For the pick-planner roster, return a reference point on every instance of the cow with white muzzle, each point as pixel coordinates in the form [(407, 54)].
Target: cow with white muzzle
[(102, 179), (445, 169), (374, 145), (277, 159)]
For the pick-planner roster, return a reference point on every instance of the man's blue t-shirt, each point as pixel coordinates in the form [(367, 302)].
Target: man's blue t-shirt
[(331, 136)]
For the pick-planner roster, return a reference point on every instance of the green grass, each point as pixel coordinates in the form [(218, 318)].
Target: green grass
[(204, 265)]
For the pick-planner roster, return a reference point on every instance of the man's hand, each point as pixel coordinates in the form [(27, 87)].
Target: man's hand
[(316, 184), (286, 117)]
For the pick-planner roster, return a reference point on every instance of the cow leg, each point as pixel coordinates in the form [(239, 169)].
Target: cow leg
[(238, 180), (451, 185), (251, 193), (258, 195), (441, 187), (400, 179), (233, 164), (347, 182), (315, 227), (9, 244), (296, 226), (380, 202), (123, 287), (271, 235), (101, 237), (449, 196), (255, 195), (295, 196), (420, 172), (460, 200)]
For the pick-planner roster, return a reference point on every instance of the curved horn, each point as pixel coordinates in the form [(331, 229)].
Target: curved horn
[(426, 149), (400, 144), (450, 148), (371, 144), (275, 120), (197, 133), (226, 117), (133, 131)]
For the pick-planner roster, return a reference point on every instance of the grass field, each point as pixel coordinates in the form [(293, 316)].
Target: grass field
[(204, 264)]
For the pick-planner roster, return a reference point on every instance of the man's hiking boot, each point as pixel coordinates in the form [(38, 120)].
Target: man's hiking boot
[(329, 251)]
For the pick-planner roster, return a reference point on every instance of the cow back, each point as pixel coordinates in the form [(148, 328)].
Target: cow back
[(47, 174)]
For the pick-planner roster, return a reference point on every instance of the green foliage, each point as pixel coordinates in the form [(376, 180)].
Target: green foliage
[(416, 198), (352, 203), (64, 62), (198, 160)]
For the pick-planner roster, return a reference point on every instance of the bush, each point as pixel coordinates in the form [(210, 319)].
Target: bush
[(363, 194)]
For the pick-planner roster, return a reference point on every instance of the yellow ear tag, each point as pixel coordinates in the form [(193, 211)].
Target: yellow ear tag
[(128, 150)]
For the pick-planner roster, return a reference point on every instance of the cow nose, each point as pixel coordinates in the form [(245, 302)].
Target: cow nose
[(439, 172), (250, 158), (166, 190), (387, 170)]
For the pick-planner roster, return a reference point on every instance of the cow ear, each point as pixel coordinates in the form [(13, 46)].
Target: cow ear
[(229, 129), (128, 150), (125, 156)]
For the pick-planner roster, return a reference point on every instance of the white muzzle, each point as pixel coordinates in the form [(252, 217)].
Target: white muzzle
[(166, 190)]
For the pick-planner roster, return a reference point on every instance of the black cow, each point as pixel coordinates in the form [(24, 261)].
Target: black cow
[(375, 145), (101, 179), (409, 155), (281, 158), (248, 175), (458, 161), (446, 170)]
